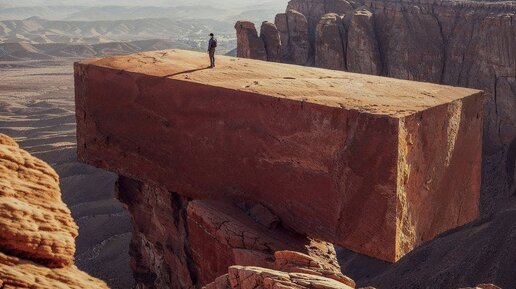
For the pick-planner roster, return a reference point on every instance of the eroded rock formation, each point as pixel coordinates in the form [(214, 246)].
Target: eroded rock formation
[(271, 39), (252, 45), (464, 43), (330, 50), (363, 52), (37, 232), (180, 243)]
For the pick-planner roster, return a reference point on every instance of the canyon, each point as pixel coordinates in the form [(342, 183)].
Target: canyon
[(261, 167)]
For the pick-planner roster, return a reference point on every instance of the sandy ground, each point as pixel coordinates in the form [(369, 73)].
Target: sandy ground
[(37, 109)]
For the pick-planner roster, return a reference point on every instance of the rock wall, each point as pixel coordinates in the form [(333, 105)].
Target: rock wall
[(462, 43), (37, 232)]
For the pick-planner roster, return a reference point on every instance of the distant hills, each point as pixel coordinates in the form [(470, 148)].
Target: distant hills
[(186, 24), (51, 51), (189, 33), (181, 10)]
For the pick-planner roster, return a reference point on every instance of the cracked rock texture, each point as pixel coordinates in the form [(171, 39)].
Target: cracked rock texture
[(180, 243), (349, 170), (37, 232), (240, 277), (463, 43)]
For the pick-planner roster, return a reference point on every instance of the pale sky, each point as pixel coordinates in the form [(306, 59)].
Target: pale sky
[(18, 3)]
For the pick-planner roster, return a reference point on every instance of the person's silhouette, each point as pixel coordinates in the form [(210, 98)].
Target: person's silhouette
[(212, 46)]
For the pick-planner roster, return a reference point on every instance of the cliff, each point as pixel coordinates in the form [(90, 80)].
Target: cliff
[(463, 43), (235, 165), (37, 240)]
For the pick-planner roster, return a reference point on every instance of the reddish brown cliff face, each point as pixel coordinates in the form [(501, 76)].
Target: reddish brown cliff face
[(37, 232), (373, 164), (464, 43), (179, 243)]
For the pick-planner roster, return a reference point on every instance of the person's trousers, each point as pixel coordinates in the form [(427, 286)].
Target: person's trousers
[(212, 58)]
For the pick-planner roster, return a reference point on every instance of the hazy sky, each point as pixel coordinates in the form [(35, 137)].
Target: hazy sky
[(14, 3)]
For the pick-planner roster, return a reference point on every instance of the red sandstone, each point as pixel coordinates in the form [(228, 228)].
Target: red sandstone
[(373, 164)]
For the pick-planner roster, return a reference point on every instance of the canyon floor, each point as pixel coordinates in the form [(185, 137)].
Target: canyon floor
[(37, 108)]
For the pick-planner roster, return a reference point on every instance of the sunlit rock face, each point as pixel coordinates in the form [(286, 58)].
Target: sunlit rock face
[(37, 232)]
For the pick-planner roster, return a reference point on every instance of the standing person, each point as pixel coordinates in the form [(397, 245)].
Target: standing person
[(212, 45)]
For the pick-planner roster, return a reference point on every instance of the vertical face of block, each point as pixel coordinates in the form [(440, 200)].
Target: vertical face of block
[(322, 149), (438, 171)]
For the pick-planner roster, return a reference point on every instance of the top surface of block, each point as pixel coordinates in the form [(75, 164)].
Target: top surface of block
[(364, 93)]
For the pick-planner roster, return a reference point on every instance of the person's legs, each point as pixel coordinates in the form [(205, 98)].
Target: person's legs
[(212, 58)]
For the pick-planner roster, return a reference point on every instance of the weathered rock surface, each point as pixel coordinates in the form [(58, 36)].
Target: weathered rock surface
[(293, 30), (179, 243), (363, 53), (464, 43), (34, 222), (330, 47), (271, 39), (249, 45), (37, 232), (349, 170), (240, 277), (23, 274)]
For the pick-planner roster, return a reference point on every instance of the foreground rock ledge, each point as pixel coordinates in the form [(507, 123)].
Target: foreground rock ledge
[(37, 232), (376, 165)]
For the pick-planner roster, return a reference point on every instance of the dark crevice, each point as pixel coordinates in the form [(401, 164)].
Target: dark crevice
[(511, 164), (443, 45), (181, 205)]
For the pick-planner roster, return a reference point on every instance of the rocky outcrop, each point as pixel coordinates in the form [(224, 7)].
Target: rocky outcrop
[(180, 243), (37, 232), (350, 170), (271, 39), (240, 277), (249, 44), (463, 43), (293, 30), (330, 50), (363, 53)]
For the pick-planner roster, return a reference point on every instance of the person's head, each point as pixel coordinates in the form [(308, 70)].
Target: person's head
[(212, 35)]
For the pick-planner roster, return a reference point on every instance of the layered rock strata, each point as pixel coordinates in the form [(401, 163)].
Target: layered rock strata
[(37, 232), (373, 164), (464, 43)]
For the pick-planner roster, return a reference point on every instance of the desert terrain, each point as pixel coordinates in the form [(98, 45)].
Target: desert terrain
[(37, 109)]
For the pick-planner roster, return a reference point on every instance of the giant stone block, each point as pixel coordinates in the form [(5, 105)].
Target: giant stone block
[(374, 164)]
